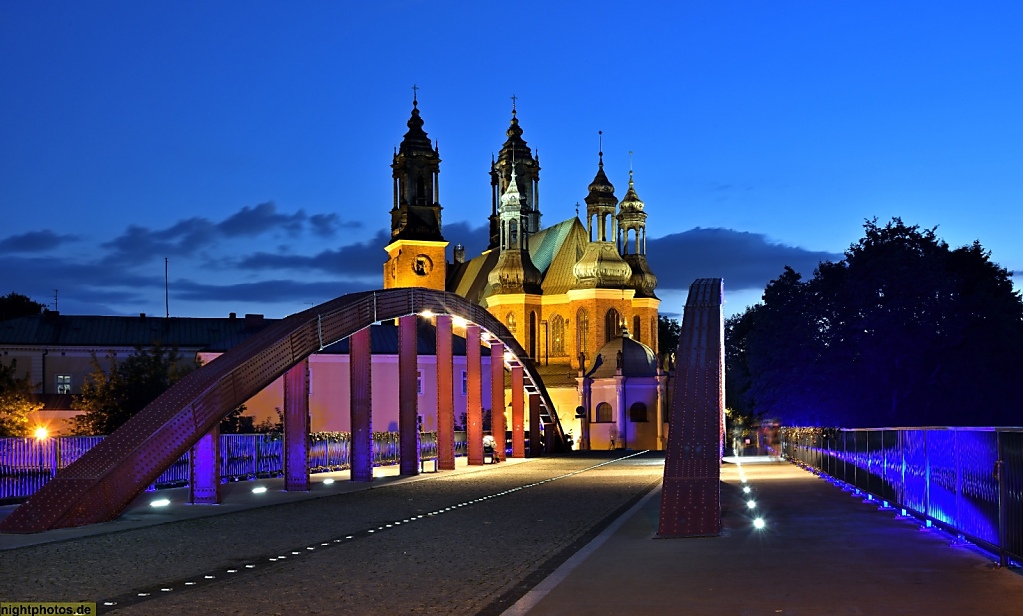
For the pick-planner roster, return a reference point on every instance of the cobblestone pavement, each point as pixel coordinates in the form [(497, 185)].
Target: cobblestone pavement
[(454, 544)]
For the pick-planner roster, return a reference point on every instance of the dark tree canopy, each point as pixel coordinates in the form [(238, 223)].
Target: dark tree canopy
[(904, 331), (14, 305), (15, 401), (668, 333), (110, 398)]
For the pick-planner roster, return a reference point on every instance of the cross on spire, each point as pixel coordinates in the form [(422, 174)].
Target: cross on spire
[(415, 92), (513, 99)]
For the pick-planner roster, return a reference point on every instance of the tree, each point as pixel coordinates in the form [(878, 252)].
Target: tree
[(14, 305), (111, 398), (668, 333), (903, 331), (15, 401)]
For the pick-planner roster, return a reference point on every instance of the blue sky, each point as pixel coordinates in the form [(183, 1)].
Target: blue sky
[(250, 142)]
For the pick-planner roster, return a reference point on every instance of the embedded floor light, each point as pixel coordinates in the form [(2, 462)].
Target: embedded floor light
[(259, 490), (752, 504), (160, 502), (746, 489), (328, 481), (758, 523)]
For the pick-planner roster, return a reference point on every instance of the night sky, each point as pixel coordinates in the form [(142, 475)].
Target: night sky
[(250, 142)]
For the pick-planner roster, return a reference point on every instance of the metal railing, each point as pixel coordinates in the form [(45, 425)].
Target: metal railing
[(26, 464), (966, 480)]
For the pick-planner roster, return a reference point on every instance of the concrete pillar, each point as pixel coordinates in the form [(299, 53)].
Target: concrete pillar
[(360, 357), (296, 427), (408, 394), (445, 397), (534, 426), (518, 413), (497, 423), (204, 487), (474, 396), (622, 420)]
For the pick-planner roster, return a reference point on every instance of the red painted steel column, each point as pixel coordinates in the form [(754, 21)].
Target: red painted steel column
[(474, 396), (204, 487), (497, 428), (296, 427), (408, 394), (360, 364), (534, 426), (445, 396), (518, 388), (691, 495)]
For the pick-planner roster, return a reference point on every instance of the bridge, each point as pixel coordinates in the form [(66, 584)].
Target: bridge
[(99, 486)]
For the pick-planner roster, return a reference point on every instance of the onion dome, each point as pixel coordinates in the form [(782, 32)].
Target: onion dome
[(514, 271), (601, 267), (632, 225)]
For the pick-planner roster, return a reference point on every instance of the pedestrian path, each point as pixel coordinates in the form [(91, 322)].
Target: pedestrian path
[(822, 550)]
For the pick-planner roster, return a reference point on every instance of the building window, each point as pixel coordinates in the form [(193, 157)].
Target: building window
[(582, 330), (419, 382), (532, 335), (63, 383), (637, 412), (635, 328), (604, 414), (465, 383), (612, 325), (558, 336)]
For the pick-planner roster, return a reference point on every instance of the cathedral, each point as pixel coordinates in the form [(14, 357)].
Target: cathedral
[(578, 297)]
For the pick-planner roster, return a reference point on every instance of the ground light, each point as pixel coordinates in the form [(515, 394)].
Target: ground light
[(328, 481), (259, 490), (752, 504), (41, 433), (161, 502), (746, 489), (758, 523)]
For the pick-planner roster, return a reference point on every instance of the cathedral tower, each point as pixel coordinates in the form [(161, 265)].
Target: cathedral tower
[(632, 219), (417, 251), (515, 155)]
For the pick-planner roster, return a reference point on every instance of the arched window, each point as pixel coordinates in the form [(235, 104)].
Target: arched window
[(635, 328), (582, 330), (604, 414), (612, 325), (637, 412), (532, 334), (557, 336), (509, 320)]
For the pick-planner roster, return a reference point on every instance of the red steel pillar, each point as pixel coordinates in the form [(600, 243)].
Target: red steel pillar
[(691, 495), (474, 395), (359, 369), (517, 414), (204, 487), (535, 449), (408, 394), (296, 427), (497, 428), (445, 397)]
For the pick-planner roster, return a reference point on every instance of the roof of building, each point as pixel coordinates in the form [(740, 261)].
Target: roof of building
[(635, 360), (55, 329)]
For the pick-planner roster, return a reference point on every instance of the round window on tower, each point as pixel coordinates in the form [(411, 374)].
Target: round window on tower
[(422, 265)]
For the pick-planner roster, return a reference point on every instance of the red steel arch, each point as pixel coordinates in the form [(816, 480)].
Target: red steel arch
[(99, 485)]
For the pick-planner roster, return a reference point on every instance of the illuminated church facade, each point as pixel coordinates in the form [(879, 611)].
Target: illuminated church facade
[(579, 298)]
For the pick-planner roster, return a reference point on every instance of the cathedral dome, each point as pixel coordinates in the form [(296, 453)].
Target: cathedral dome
[(601, 267), (634, 358)]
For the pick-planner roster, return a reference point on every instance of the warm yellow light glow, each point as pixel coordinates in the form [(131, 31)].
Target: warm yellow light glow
[(459, 322), (426, 313), (41, 433)]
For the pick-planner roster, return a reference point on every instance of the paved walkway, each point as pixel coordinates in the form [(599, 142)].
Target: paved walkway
[(822, 551)]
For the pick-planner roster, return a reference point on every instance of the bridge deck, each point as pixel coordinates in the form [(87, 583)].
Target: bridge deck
[(823, 551)]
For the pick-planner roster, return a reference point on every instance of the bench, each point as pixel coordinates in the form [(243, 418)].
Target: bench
[(424, 461)]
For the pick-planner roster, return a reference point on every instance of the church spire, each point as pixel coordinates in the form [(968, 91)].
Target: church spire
[(415, 213), (601, 266), (515, 153), (632, 219), (514, 271)]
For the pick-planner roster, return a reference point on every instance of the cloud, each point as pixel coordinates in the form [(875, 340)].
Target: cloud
[(745, 260), (475, 239), (365, 259), (267, 291), (34, 241), (189, 237)]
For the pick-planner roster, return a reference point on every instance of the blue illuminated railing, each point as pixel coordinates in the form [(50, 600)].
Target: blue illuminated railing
[(967, 480), (28, 463)]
